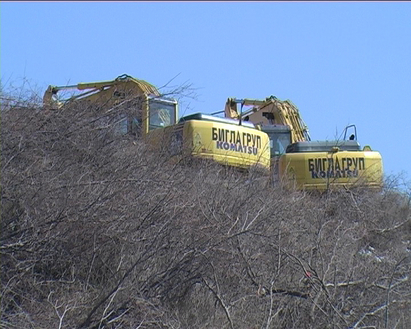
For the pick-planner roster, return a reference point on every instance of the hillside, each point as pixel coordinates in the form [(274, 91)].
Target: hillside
[(99, 232)]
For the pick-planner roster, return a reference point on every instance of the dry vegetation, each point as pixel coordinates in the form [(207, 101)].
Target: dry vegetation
[(99, 232)]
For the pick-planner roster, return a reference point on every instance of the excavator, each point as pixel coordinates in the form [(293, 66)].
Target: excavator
[(299, 162), (152, 116), (269, 134)]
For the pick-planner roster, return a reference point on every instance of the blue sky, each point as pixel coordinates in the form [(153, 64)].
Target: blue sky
[(339, 62)]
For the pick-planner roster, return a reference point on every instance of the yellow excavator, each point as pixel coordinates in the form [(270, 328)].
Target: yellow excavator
[(296, 160), (155, 118), (267, 133)]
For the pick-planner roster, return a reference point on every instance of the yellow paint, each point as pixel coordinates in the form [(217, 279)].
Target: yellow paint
[(320, 170), (227, 144)]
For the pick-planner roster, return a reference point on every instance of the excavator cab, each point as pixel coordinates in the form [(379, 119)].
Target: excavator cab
[(280, 138), (162, 112)]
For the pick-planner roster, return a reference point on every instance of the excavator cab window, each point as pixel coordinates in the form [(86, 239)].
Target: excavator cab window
[(279, 143), (122, 126), (162, 113), (280, 138), (127, 125)]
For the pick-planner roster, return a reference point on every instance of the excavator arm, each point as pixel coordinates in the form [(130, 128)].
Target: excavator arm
[(270, 111), (105, 90)]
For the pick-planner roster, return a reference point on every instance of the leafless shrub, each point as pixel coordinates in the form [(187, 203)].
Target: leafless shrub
[(98, 231)]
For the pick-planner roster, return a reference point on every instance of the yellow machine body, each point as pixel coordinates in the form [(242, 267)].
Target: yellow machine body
[(323, 170), (218, 139)]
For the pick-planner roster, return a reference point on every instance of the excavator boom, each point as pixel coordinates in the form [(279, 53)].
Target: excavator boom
[(270, 111), (122, 85)]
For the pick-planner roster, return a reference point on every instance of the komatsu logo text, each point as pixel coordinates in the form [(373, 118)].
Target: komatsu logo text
[(335, 167), (231, 140)]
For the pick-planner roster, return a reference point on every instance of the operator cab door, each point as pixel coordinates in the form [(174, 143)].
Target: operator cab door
[(280, 138)]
